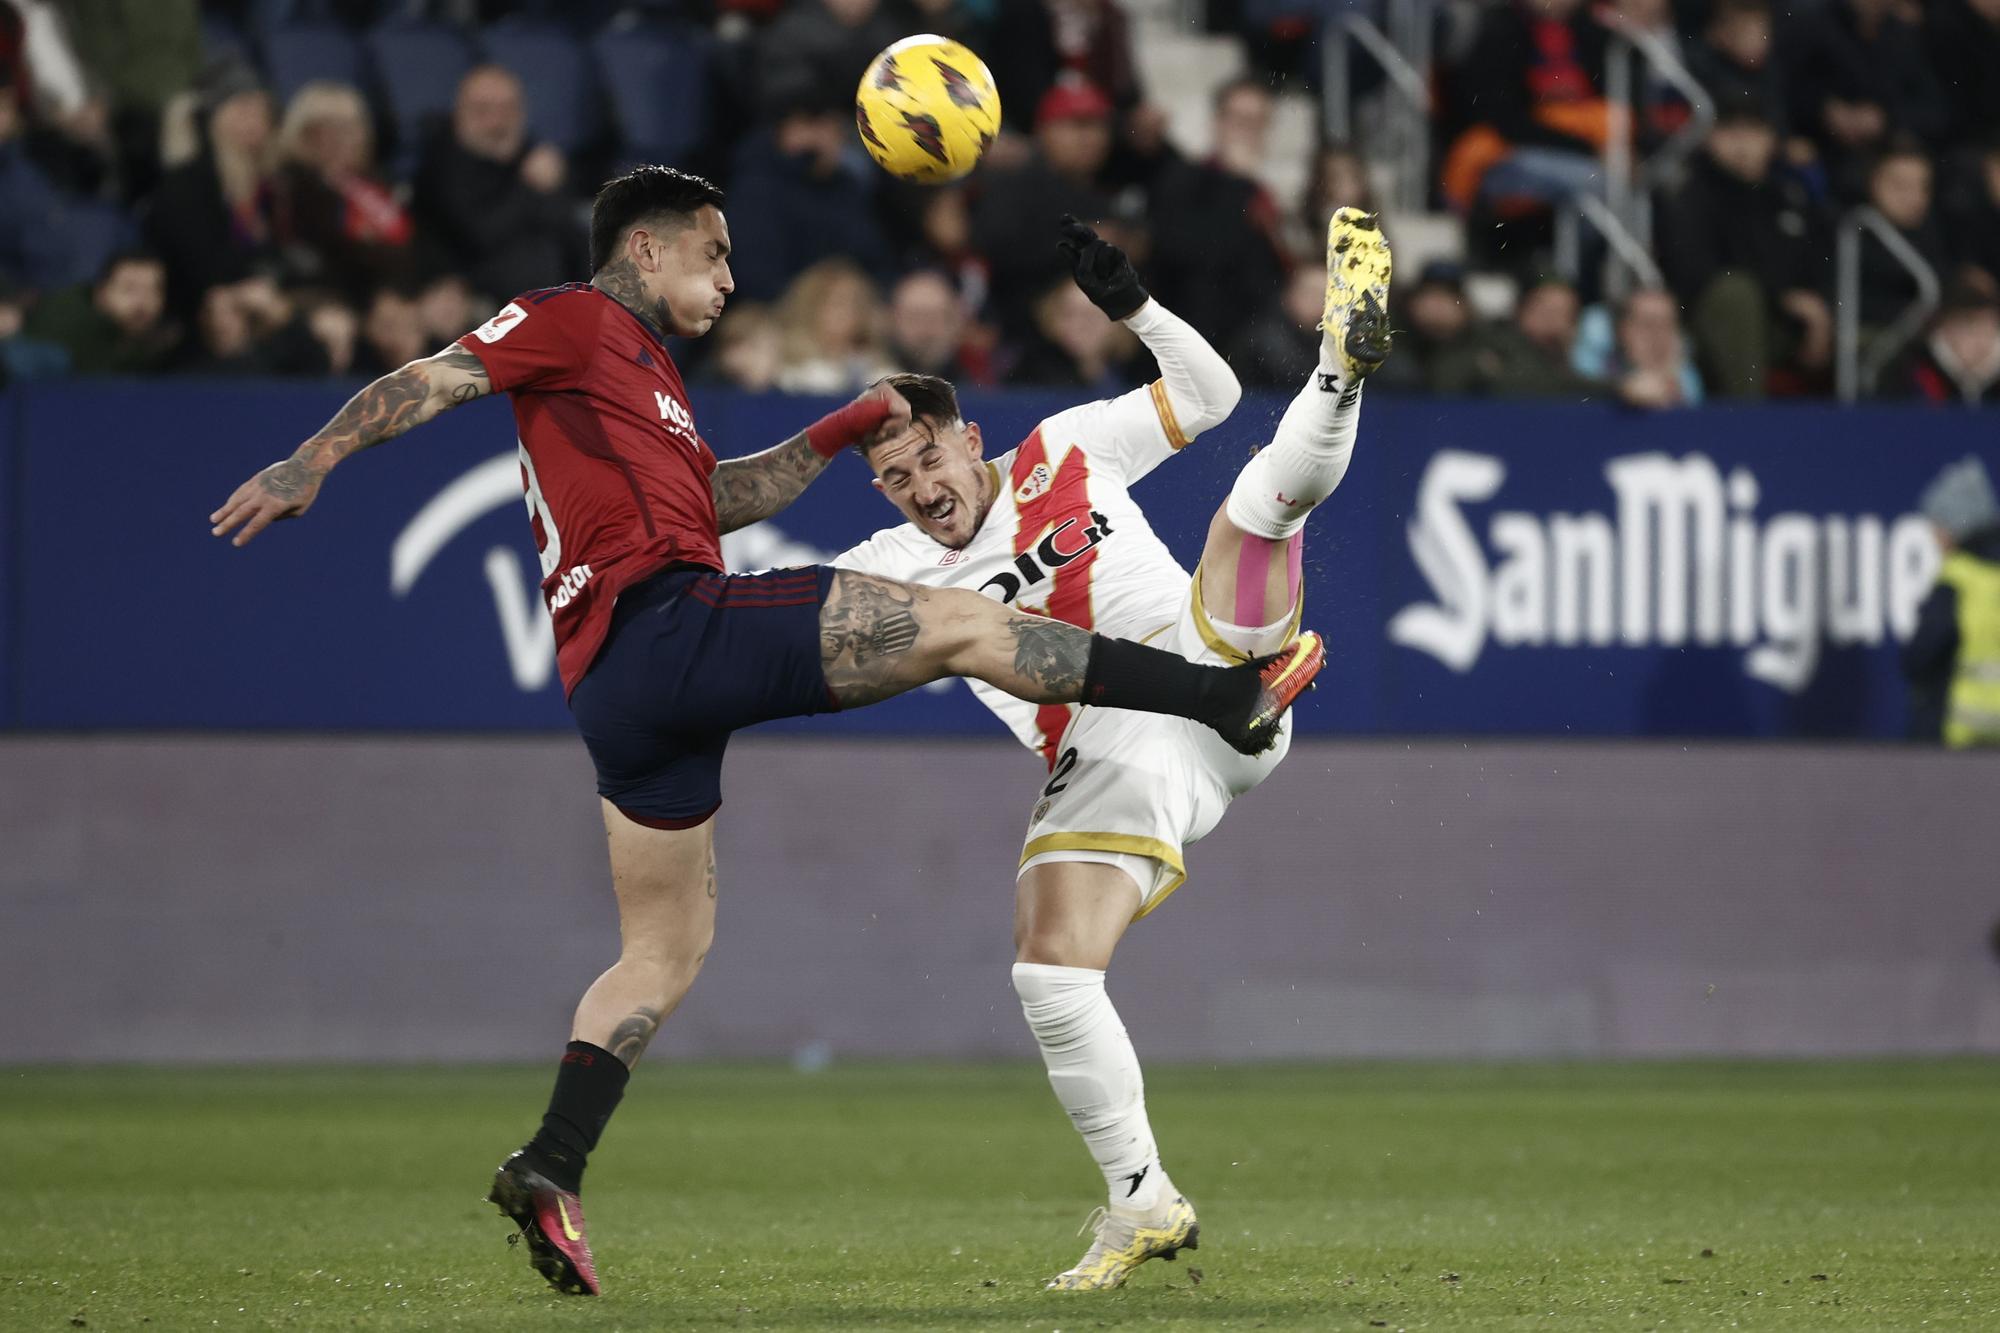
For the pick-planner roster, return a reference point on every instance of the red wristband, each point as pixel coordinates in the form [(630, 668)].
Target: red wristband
[(836, 430)]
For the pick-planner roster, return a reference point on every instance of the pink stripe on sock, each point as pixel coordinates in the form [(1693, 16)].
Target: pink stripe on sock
[(1253, 572), (1295, 569)]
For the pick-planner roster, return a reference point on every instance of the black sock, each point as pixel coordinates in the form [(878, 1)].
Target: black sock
[(589, 1083), (1123, 674)]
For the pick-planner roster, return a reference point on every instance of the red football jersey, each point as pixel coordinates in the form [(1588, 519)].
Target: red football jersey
[(615, 474)]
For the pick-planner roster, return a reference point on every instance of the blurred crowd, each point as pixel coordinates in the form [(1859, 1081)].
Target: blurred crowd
[(332, 187)]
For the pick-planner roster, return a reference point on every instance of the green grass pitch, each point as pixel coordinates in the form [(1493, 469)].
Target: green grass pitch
[(1804, 1196)]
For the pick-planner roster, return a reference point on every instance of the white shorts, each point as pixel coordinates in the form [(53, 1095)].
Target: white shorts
[(1132, 790)]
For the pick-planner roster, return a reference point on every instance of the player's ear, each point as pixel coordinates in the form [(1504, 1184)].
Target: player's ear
[(880, 490), (974, 445)]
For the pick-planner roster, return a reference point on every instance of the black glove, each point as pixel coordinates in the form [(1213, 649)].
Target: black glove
[(1102, 270)]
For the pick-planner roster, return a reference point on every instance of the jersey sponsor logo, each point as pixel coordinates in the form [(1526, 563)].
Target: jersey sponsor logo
[(673, 413), (498, 327), (566, 590), (1038, 483), (1065, 544), (1685, 558)]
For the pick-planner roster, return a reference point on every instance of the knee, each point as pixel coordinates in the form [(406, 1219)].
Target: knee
[(674, 959)]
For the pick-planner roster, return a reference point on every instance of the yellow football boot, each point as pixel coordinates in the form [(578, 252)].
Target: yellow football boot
[(1356, 319), (1128, 1237)]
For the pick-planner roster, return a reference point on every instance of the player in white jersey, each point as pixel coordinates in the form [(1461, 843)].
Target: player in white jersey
[(1049, 526)]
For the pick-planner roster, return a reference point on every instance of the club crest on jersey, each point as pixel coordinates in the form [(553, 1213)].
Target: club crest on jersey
[(1038, 483)]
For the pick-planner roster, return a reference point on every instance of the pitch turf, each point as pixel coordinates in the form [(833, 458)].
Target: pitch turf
[(1352, 1197)]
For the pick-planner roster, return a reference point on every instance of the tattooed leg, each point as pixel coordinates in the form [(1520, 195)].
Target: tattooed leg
[(879, 638), (665, 881)]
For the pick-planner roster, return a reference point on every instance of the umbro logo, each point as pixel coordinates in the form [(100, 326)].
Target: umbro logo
[(951, 557)]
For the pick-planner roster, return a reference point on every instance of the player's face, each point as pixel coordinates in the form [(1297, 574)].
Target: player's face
[(692, 272), (935, 477)]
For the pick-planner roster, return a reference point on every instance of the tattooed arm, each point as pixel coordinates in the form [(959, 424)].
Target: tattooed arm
[(755, 487), (750, 489), (382, 411)]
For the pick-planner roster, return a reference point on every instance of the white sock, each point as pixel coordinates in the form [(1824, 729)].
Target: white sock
[(1095, 1074), (1305, 460), (1256, 640)]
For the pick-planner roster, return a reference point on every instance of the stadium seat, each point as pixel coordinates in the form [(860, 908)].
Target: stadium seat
[(656, 79), (417, 67), (555, 68), (296, 54)]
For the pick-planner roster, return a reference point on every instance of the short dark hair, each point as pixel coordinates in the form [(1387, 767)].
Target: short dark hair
[(640, 194), (933, 401)]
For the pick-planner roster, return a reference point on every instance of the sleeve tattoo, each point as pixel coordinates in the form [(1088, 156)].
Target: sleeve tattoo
[(382, 411), (748, 490)]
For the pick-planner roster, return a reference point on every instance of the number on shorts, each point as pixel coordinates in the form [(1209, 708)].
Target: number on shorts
[(1064, 763)]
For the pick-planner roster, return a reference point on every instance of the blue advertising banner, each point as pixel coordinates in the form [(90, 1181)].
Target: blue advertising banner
[(1485, 568)]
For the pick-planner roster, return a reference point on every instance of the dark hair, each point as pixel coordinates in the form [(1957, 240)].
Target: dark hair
[(641, 194), (120, 258), (1898, 147), (933, 401)]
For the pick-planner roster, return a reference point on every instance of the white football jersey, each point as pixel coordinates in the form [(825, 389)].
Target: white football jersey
[(1063, 538)]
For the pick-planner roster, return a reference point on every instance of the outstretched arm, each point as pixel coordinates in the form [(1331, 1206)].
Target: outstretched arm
[(750, 489), (1200, 387), (382, 411)]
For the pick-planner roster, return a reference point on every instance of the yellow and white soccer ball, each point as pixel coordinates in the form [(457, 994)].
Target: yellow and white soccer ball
[(927, 109)]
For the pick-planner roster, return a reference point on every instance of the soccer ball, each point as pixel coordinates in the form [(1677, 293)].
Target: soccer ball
[(927, 109)]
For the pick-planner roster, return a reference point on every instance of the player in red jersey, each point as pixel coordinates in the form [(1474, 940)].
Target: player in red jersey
[(662, 654)]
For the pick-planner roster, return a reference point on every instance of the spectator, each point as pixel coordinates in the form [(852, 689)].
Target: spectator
[(1746, 250), (1964, 47), (68, 122), (797, 196), (1438, 320), (333, 324), (944, 242), (493, 202), (818, 49), (117, 326), (448, 308), (341, 226), (1528, 358), (1013, 222), (1732, 60), (1958, 364), (392, 333), (1899, 188), (1534, 82), (1857, 77), (1338, 179), (1952, 660), (1638, 350), (212, 218), (1076, 347), (35, 244), (930, 330), (251, 328), (1280, 347), (1039, 44), (1975, 213), (22, 355), (831, 318), (142, 54), (748, 351), (1218, 255)]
